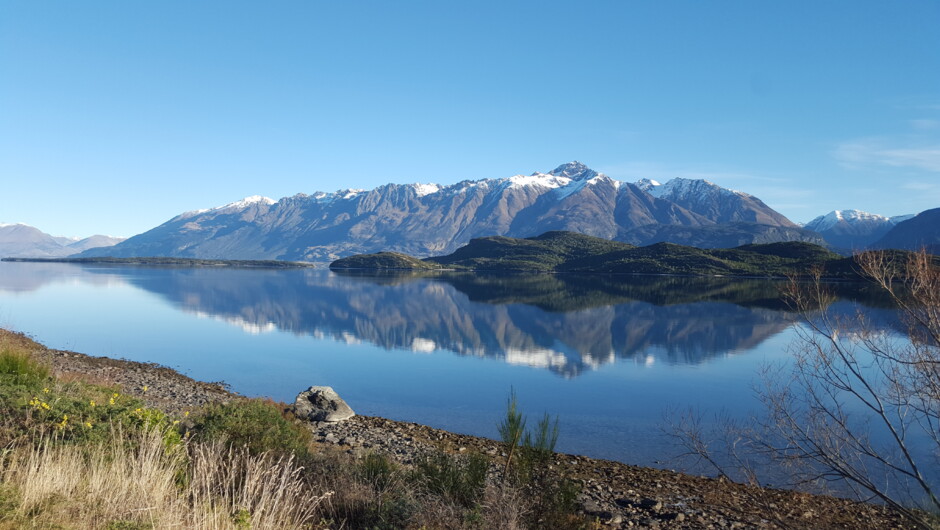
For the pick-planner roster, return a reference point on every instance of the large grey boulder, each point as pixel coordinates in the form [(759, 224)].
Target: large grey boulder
[(321, 403)]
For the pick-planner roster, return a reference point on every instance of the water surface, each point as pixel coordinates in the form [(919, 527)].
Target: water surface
[(609, 355)]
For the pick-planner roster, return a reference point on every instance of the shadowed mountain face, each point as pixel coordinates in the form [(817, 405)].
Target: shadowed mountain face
[(563, 323), (921, 231), (428, 219), (725, 235)]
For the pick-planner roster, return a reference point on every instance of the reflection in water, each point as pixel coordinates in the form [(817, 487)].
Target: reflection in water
[(563, 323), (663, 343)]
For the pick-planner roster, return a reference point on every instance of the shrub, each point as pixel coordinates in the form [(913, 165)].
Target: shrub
[(258, 424), (378, 471), (461, 480), (552, 499), (21, 367)]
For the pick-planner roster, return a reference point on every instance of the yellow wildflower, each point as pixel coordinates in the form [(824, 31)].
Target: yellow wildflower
[(45, 405), (45, 390), (88, 424), (92, 403), (111, 401), (145, 388), (186, 414)]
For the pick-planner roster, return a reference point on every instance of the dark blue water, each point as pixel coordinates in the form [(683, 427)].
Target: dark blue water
[(608, 355)]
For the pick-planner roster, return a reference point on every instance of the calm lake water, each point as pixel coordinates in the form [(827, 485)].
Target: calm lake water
[(609, 355)]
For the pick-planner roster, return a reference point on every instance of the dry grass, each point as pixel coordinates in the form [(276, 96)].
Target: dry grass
[(136, 481)]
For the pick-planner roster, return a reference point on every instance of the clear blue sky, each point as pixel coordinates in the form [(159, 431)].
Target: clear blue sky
[(117, 115)]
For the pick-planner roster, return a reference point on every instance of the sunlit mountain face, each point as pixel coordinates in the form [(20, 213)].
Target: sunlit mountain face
[(432, 219)]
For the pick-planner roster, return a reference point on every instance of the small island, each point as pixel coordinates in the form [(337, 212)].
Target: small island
[(557, 251)]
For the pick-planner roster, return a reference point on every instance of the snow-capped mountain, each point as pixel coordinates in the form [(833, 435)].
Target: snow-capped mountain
[(853, 229), (433, 219), (718, 204), (24, 241)]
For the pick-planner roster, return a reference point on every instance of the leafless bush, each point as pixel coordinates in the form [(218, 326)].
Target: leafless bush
[(857, 411), (859, 405)]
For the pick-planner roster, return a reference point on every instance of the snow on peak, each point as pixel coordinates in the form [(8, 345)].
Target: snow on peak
[(646, 184), (835, 217), (348, 193), (426, 189), (573, 170), (538, 179), (686, 189), (248, 201)]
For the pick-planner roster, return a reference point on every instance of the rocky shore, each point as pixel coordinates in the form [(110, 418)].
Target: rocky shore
[(614, 495)]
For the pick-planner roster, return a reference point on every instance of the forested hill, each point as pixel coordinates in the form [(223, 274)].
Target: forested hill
[(572, 252)]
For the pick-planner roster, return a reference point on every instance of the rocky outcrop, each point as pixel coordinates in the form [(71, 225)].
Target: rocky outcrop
[(322, 404)]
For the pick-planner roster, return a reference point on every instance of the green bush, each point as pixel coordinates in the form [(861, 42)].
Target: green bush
[(21, 367), (258, 424), (460, 479), (552, 498), (378, 470)]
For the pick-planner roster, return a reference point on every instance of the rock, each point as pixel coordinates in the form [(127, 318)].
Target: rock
[(322, 404)]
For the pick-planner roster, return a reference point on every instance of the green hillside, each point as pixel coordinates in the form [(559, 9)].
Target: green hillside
[(572, 252), (383, 260)]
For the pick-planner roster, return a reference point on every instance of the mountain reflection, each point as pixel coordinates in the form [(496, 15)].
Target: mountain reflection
[(563, 323)]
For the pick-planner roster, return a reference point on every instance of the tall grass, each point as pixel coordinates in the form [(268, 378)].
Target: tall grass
[(135, 481), (21, 366)]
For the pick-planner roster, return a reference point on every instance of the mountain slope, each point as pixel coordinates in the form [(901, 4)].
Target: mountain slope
[(714, 202), (420, 219), (19, 240), (921, 231), (719, 235), (24, 241)]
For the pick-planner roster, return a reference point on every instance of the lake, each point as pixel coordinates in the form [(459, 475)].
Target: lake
[(609, 355)]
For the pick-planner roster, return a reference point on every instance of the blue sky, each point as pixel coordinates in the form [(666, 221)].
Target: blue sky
[(116, 116)]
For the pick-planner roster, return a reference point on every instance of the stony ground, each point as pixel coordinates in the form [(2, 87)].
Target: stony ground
[(614, 495)]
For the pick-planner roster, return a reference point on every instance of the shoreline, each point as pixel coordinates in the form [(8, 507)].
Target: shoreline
[(613, 494)]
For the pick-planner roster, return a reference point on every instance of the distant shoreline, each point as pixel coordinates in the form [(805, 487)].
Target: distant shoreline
[(175, 262)]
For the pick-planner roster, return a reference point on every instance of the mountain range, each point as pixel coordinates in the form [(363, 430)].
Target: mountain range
[(24, 241), (430, 219)]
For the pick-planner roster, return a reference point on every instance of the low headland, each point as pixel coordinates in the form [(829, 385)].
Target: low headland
[(95, 442), (569, 252), (173, 262)]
